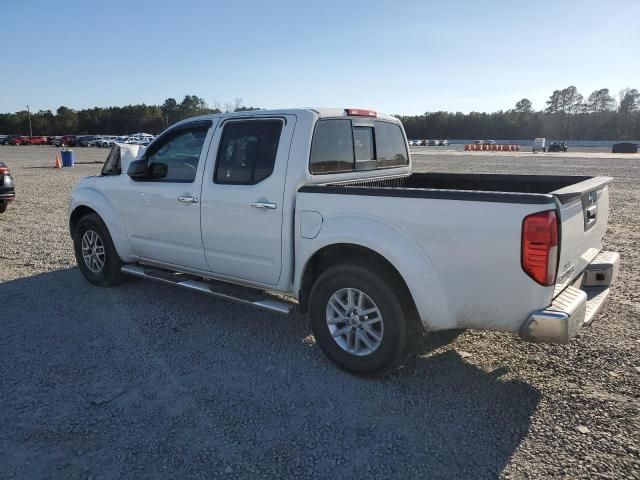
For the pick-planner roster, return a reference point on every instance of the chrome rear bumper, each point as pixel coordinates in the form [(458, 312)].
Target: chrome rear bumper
[(575, 306)]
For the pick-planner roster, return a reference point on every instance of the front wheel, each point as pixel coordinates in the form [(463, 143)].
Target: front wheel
[(95, 253), (358, 319)]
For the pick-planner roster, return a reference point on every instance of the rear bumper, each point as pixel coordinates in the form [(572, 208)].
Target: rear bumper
[(7, 191), (576, 306)]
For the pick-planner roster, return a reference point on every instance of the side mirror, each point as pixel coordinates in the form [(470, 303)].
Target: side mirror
[(158, 170), (138, 170)]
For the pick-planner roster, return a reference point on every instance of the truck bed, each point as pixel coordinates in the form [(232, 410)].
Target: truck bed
[(582, 204), (475, 187)]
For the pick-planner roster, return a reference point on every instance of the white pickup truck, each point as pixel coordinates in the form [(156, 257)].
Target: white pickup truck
[(317, 210)]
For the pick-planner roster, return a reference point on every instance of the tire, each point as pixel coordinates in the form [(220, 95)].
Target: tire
[(3, 207), (105, 273), (395, 329)]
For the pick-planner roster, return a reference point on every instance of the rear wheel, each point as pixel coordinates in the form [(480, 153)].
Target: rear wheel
[(3, 207), (95, 253), (358, 320)]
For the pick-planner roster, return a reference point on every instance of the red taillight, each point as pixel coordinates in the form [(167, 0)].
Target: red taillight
[(4, 171), (540, 247), (360, 112)]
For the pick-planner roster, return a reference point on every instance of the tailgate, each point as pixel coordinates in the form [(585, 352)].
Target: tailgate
[(584, 213)]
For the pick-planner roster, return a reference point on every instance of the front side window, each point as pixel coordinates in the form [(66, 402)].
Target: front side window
[(247, 153), (175, 158), (338, 146)]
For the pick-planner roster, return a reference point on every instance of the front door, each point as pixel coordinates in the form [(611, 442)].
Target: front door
[(162, 212), (242, 198)]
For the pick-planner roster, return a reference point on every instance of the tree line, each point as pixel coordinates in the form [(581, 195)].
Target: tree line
[(112, 120), (567, 116)]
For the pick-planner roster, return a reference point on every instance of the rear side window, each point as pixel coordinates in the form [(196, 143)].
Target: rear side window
[(338, 146), (332, 147), (247, 152), (390, 147)]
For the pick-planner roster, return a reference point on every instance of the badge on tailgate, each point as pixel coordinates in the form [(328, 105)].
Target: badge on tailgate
[(590, 209)]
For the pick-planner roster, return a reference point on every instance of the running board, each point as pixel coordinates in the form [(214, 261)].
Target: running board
[(226, 291)]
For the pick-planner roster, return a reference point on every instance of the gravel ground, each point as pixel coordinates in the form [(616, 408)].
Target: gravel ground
[(147, 381)]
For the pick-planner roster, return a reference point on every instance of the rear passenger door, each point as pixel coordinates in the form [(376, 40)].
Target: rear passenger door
[(242, 198)]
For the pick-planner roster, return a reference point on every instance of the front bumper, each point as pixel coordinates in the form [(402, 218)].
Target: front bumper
[(576, 306)]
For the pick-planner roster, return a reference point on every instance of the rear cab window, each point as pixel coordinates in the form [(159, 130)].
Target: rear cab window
[(347, 144)]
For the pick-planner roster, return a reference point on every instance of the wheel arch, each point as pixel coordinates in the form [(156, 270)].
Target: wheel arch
[(88, 200), (337, 253), (77, 214)]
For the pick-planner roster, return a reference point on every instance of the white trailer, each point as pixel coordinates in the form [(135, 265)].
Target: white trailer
[(539, 145)]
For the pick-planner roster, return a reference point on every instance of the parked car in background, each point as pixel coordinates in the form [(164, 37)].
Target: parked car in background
[(68, 140), (142, 135), (38, 140), (444, 143), (322, 206), (7, 139), (433, 143), (7, 189), (105, 142), (87, 141), (138, 140), (21, 140), (625, 147), (558, 147)]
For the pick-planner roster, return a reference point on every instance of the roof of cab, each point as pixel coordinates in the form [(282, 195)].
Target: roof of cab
[(320, 112)]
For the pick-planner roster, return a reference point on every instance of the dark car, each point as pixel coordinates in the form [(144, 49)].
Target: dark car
[(625, 147), (558, 147), (7, 190), (87, 141), (69, 140), (7, 139)]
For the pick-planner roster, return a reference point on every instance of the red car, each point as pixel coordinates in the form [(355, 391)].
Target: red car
[(38, 140), (19, 141)]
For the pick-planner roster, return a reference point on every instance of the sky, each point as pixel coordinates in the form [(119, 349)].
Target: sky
[(401, 57)]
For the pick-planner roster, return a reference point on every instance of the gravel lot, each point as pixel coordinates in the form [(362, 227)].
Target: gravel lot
[(147, 381)]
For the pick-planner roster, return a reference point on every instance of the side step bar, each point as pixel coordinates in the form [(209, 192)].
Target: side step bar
[(226, 291)]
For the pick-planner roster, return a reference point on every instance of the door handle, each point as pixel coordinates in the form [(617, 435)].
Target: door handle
[(271, 206), (188, 199)]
